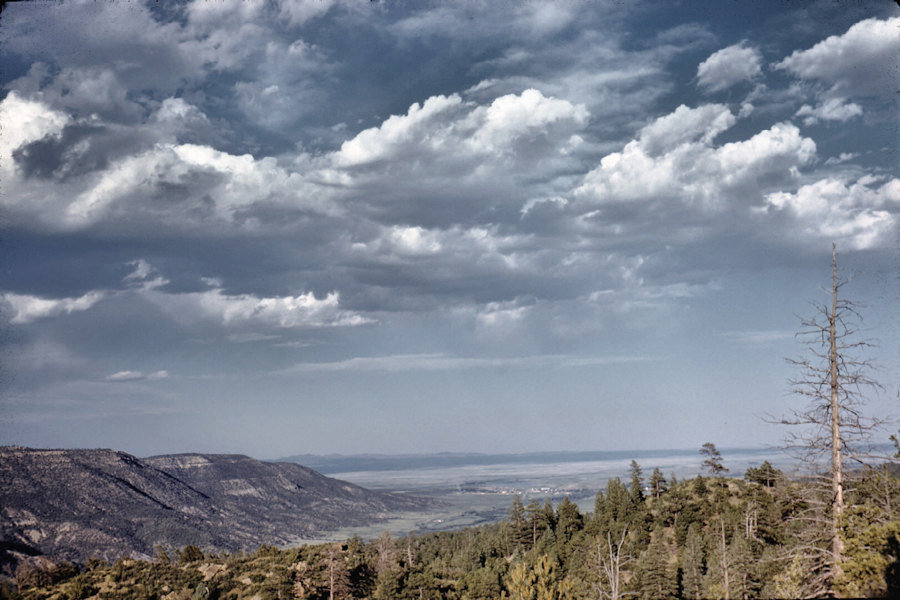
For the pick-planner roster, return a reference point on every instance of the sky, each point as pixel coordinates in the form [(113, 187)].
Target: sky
[(335, 226)]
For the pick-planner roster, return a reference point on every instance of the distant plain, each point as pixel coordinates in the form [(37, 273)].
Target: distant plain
[(479, 488)]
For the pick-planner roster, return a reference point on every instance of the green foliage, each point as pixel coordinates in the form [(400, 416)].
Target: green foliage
[(765, 474), (700, 488), (693, 564), (637, 483), (712, 459), (871, 531), (658, 484), (655, 578)]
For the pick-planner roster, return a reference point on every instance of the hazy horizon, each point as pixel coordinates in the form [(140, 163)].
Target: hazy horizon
[(328, 226)]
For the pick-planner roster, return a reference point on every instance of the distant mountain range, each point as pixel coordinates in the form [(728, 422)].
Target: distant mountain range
[(78, 504)]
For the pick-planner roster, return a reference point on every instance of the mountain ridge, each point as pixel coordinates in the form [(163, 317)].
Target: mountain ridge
[(104, 503)]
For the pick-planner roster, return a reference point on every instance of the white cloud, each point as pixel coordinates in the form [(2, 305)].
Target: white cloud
[(858, 214), (137, 376), (298, 12), (449, 128), (675, 159), (684, 125), (399, 132), (841, 158), (860, 62), (302, 311), (833, 109), (528, 114), (27, 308), (413, 241), (729, 66), (23, 121)]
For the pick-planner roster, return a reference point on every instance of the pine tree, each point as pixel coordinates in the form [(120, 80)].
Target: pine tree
[(699, 487), (569, 520), (636, 489), (692, 564), (614, 509), (713, 459), (765, 474), (658, 484), (518, 520), (537, 521), (654, 578)]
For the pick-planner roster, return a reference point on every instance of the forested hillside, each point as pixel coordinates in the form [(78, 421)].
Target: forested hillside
[(761, 536)]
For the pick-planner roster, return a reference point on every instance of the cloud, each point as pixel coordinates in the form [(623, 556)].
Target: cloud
[(443, 362), (286, 312), (436, 164), (685, 125), (137, 376), (181, 185), (858, 63), (758, 337), (234, 310), (729, 66), (675, 160), (833, 109), (453, 129), (298, 12), (23, 121), (859, 214), (27, 308)]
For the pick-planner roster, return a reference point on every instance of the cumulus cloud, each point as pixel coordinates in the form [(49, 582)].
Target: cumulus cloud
[(675, 159), (137, 376), (858, 63), (454, 129), (685, 125), (858, 214), (182, 185), (729, 66), (23, 121), (27, 308)]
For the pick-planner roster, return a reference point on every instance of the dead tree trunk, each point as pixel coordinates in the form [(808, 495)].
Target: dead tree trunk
[(837, 484), (832, 428)]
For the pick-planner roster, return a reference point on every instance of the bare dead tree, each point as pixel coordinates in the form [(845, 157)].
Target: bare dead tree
[(338, 580), (831, 429), (725, 585), (611, 560)]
